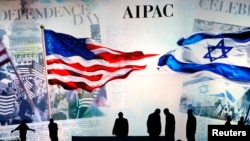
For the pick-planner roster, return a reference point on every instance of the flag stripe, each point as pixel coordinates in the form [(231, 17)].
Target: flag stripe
[(241, 36), (23, 70), (113, 56), (86, 66), (7, 104), (225, 54), (71, 82), (28, 85), (38, 74), (230, 97), (4, 57), (226, 70), (86, 99), (72, 73), (81, 63)]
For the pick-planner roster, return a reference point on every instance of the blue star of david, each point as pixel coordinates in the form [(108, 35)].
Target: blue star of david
[(203, 89), (224, 50)]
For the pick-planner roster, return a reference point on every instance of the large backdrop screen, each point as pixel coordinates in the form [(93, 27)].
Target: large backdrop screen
[(81, 62)]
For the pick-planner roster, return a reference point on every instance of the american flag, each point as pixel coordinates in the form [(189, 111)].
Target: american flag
[(4, 57), (86, 99), (38, 70), (81, 63), (7, 103), (23, 70), (28, 85)]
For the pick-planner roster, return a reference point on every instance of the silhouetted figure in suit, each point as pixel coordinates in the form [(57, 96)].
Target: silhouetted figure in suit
[(241, 122), (170, 126), (228, 122), (53, 128), (23, 128), (190, 126), (154, 124), (121, 126)]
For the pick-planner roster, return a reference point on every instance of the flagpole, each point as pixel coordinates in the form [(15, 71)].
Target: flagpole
[(45, 64), (19, 78), (247, 114)]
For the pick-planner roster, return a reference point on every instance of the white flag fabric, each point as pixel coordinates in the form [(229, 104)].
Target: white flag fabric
[(225, 54)]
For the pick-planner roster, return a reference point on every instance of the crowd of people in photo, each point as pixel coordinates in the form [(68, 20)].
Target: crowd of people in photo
[(14, 107), (75, 104), (17, 105), (215, 108)]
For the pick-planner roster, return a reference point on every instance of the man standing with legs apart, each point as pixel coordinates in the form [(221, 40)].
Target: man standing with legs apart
[(23, 128)]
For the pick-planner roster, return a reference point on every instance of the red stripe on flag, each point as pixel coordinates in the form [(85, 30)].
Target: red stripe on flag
[(71, 85), (4, 57)]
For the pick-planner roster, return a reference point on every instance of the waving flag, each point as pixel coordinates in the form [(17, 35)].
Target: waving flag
[(4, 57), (225, 54), (80, 63), (207, 86), (7, 103)]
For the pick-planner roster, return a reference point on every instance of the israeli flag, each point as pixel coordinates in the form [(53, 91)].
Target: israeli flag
[(204, 87), (225, 54)]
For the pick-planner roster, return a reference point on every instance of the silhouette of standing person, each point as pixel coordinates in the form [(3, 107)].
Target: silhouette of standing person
[(170, 125), (53, 128), (241, 122), (228, 122), (121, 126), (190, 126), (23, 128), (154, 124)]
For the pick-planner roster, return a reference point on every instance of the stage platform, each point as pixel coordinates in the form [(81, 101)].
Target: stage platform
[(113, 138)]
